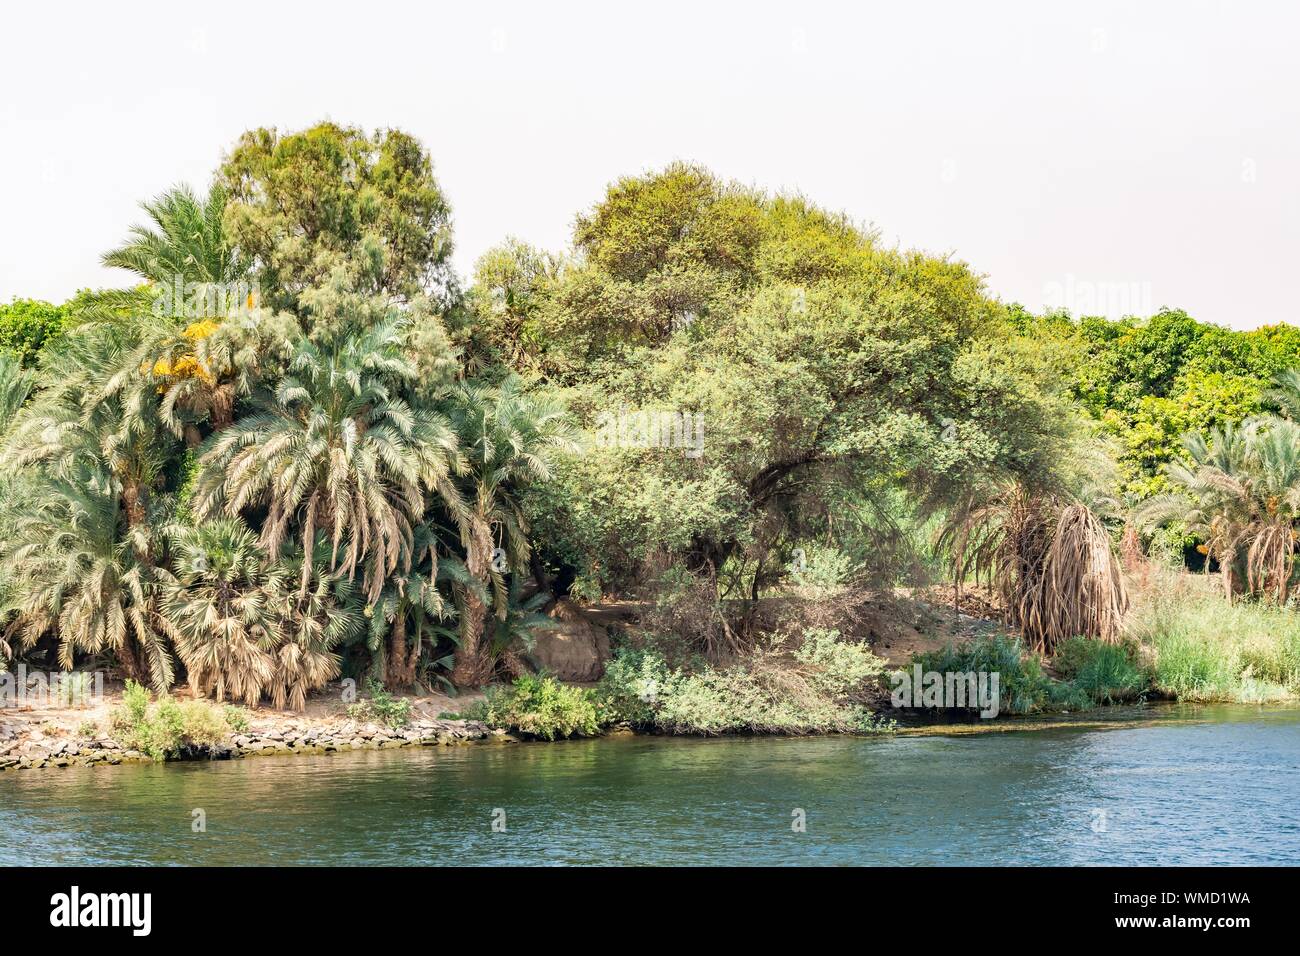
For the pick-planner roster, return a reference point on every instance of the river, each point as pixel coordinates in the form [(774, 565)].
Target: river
[(1216, 785)]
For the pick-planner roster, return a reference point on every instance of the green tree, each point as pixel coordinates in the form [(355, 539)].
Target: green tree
[(336, 448), (300, 203), (807, 364), (509, 439), (28, 325)]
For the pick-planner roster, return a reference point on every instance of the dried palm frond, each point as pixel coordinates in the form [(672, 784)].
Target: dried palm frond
[(1051, 563)]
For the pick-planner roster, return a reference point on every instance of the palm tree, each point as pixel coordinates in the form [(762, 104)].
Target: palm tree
[(93, 416), (410, 608), (509, 439), (222, 609), (1049, 557), (193, 283), (316, 620), (71, 572), (336, 448), (185, 240), (1239, 492), (16, 385)]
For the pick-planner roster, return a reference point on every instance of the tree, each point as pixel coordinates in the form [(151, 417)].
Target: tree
[(185, 241), (411, 606), (28, 325), (335, 448), (302, 202), (1240, 494), (221, 610), (508, 439), (740, 359), (69, 571)]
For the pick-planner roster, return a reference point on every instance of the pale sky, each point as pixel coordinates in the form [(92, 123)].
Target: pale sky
[(1109, 157)]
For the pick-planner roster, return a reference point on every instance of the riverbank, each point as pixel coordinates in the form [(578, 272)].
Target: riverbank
[(34, 749), (46, 736), (47, 740)]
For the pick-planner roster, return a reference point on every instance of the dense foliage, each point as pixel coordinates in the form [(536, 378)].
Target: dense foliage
[(294, 447)]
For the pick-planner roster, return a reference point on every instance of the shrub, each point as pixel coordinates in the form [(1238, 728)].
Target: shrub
[(1106, 673), (236, 717), (161, 729), (381, 706), (819, 687), (1023, 688), (540, 706)]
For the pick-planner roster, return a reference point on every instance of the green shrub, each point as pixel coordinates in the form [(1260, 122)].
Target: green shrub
[(381, 706), (237, 718), (1023, 688), (540, 706), (819, 687), (1106, 673), (161, 729)]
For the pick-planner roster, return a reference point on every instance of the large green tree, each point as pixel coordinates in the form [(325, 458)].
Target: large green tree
[(301, 203), (742, 360)]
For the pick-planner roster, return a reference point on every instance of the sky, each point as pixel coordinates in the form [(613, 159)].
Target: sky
[(1108, 158)]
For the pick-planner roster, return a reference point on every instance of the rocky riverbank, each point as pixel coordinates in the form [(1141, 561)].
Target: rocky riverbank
[(24, 747)]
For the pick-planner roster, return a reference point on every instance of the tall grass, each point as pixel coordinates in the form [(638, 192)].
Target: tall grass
[(1023, 686), (1202, 648), (1107, 673)]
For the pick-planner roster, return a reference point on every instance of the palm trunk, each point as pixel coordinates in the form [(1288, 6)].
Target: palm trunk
[(402, 660), (471, 668), (129, 660)]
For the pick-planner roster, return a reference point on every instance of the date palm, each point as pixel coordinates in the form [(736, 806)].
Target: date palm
[(92, 415), (222, 610), (316, 620), (193, 285), (336, 448), (411, 610), (1239, 491), (509, 439), (72, 573), (184, 241)]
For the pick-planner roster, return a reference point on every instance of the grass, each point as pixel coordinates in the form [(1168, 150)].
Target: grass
[(1106, 673), (1203, 649), (1023, 687)]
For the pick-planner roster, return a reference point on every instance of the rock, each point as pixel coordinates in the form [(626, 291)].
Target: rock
[(576, 650)]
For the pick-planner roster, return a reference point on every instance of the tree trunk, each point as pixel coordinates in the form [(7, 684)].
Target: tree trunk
[(129, 660), (471, 668), (402, 660)]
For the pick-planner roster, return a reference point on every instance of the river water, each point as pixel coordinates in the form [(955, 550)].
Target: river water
[(1216, 785)]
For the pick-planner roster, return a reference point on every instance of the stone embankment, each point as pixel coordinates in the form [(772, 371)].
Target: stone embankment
[(28, 748)]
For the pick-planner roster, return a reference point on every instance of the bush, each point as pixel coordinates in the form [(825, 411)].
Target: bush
[(1023, 688), (819, 687), (161, 729), (1205, 649), (1106, 673), (237, 718), (382, 706), (540, 706)]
